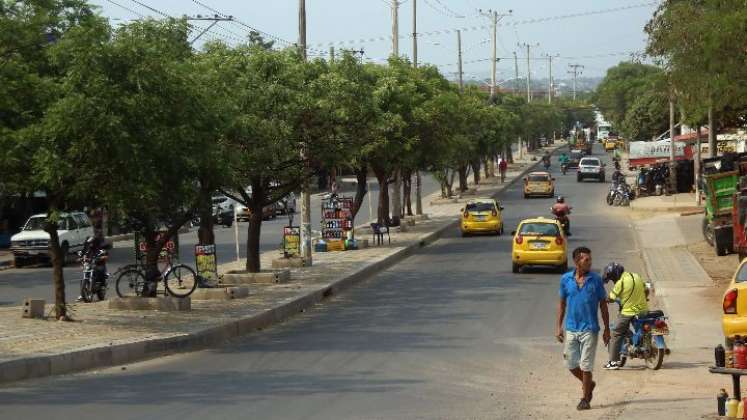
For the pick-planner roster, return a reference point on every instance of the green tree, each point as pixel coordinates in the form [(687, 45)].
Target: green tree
[(37, 151), (620, 88)]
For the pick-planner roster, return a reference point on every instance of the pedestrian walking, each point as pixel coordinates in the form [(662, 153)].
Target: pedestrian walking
[(502, 167), (582, 294)]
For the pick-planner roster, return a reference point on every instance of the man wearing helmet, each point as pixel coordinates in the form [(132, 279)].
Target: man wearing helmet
[(631, 294), (561, 210)]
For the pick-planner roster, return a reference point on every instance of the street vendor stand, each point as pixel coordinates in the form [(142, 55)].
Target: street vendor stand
[(337, 221), (736, 375)]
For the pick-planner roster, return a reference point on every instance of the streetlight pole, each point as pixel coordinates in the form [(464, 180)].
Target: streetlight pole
[(529, 71), (305, 193), (459, 62), (576, 69)]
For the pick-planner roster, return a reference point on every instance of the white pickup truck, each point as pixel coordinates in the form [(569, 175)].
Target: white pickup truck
[(33, 242)]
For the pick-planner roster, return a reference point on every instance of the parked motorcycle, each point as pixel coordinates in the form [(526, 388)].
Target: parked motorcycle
[(660, 176), (94, 282), (646, 341), (644, 182)]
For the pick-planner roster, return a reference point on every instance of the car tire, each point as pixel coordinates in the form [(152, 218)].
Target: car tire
[(562, 269), (579, 178), (464, 234), (515, 268), (601, 178)]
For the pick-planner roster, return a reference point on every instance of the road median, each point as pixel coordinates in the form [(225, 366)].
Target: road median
[(103, 337)]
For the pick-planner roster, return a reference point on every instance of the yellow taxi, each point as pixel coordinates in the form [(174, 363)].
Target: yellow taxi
[(734, 318), (539, 241), (539, 184), (610, 145), (481, 215)]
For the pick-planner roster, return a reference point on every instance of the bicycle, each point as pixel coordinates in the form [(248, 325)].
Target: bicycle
[(178, 280)]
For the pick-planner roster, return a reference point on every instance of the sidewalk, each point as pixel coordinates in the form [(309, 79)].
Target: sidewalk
[(682, 202), (103, 337), (683, 388)]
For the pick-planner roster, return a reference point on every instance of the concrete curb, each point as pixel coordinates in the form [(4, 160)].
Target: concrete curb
[(118, 354), (674, 209)]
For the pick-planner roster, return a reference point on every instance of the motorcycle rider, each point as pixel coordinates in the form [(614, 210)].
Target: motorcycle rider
[(632, 294), (546, 159), (561, 210), (91, 248)]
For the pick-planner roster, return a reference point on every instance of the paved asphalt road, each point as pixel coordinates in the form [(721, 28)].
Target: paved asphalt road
[(18, 284), (448, 333)]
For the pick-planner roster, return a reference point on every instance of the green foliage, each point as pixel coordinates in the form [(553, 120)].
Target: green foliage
[(701, 44), (622, 86)]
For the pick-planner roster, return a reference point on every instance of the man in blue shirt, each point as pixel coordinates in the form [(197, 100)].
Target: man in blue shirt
[(581, 295)]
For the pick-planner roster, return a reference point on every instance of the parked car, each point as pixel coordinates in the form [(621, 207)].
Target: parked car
[(243, 213), (590, 167), (32, 243), (734, 317), (539, 241), (223, 203), (481, 215)]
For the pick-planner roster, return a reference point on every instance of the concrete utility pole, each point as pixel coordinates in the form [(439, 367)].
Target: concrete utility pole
[(305, 189), (395, 27), (397, 187), (672, 150), (415, 33), (418, 178), (494, 17), (529, 71), (516, 75), (459, 62), (550, 84), (576, 69), (697, 166)]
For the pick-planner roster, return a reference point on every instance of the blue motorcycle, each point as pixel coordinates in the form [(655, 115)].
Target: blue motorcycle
[(646, 341)]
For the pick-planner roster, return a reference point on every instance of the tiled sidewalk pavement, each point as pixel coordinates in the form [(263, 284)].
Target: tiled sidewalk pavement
[(100, 336)]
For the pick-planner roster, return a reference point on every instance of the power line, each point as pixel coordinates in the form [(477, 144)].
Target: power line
[(127, 8), (443, 10), (507, 24)]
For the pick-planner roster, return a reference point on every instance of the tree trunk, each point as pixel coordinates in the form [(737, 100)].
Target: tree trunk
[(152, 273), (383, 209), (462, 178), (476, 171), (397, 199), (206, 232), (712, 152), (253, 234), (509, 153), (418, 193), (407, 193), (450, 184), (58, 279), (492, 166), (361, 189)]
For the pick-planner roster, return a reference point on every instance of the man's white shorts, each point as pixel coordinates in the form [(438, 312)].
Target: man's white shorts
[(580, 350)]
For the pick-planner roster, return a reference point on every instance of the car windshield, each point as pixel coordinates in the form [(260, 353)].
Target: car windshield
[(37, 223), (480, 207), (538, 178), (576, 155), (539, 229), (218, 200), (590, 162)]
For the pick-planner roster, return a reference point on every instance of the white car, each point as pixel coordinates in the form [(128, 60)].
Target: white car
[(33, 241), (590, 167)]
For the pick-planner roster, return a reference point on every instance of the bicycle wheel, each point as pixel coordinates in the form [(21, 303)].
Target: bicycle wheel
[(180, 281), (130, 283)]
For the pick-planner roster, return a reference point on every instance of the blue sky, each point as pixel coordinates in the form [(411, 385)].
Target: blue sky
[(595, 40)]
